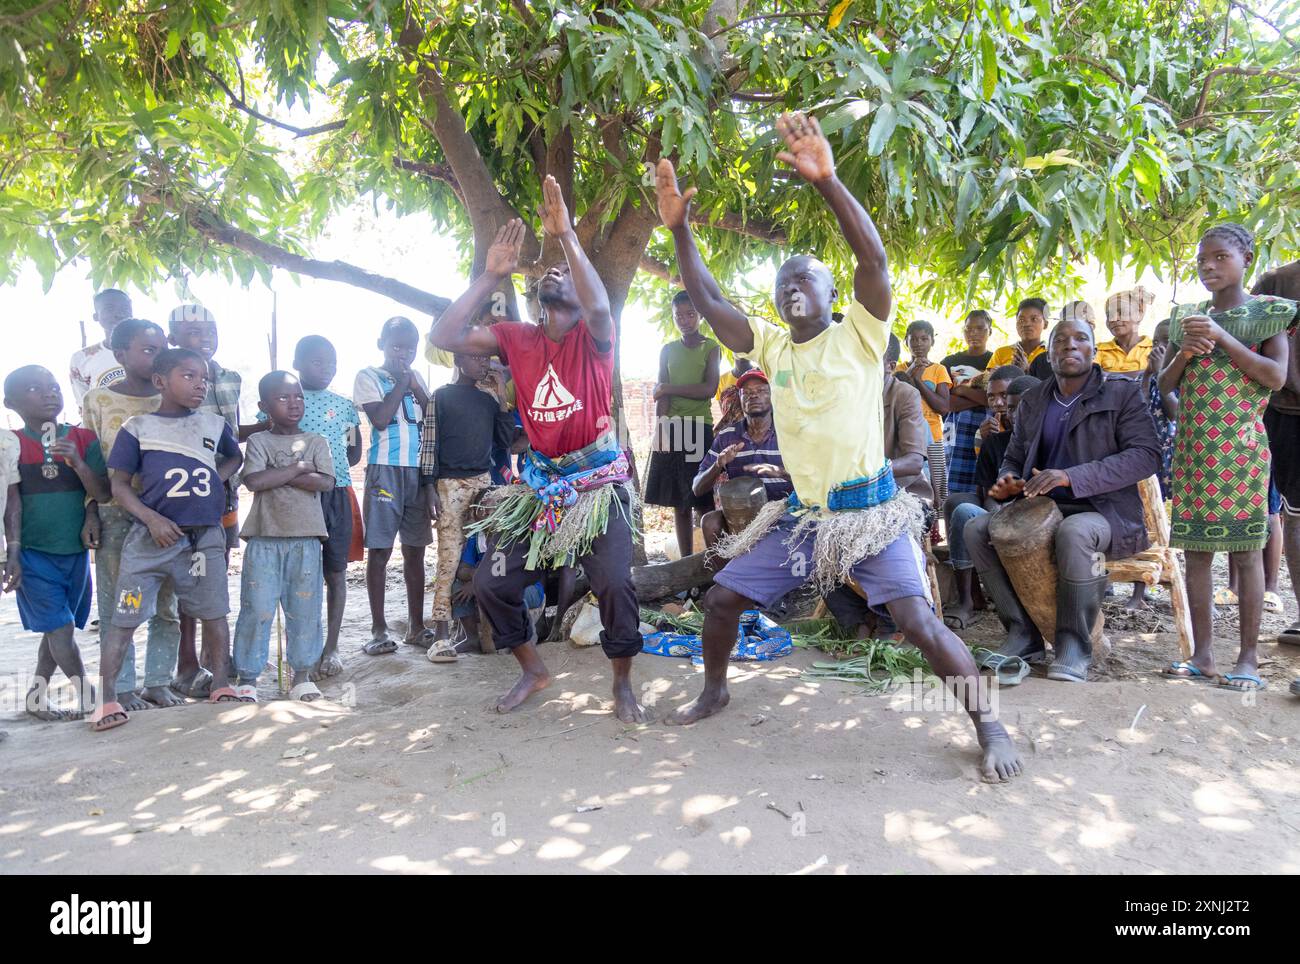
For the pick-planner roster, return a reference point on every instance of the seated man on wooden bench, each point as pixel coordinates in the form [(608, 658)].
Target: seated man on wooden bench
[(1084, 441)]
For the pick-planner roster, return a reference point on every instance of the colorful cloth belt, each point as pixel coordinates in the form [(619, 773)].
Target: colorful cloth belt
[(864, 493), (557, 483)]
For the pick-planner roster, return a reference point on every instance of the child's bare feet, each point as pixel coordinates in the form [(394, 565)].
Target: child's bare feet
[(161, 696), (131, 702), (329, 665)]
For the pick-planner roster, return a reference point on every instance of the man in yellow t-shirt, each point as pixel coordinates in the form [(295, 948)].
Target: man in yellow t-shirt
[(1031, 319), (828, 408)]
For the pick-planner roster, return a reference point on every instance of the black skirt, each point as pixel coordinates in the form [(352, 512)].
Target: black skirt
[(668, 481)]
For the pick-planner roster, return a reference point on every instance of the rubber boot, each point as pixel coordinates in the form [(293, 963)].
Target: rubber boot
[(1023, 638), (1077, 606)]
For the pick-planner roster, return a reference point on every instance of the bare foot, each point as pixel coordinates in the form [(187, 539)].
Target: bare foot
[(1001, 760), (421, 639), (132, 703), (709, 701), (162, 696), (329, 665), (626, 708), (529, 683), (48, 715), (195, 685)]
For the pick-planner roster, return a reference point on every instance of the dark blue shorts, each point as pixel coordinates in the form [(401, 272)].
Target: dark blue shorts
[(55, 590), (771, 569)]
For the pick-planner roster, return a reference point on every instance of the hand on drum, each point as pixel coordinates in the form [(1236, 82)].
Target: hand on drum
[(1007, 487), (1041, 483)]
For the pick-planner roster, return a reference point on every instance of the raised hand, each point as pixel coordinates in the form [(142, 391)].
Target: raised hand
[(503, 256), (808, 150), (554, 212), (674, 206)]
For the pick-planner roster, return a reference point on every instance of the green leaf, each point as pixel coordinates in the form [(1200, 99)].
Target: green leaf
[(967, 194), (881, 129), (988, 66), (172, 46)]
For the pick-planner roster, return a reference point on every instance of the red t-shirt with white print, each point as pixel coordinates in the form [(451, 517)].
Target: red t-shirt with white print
[(563, 389)]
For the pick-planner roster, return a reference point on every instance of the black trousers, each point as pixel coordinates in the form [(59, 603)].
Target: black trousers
[(501, 578)]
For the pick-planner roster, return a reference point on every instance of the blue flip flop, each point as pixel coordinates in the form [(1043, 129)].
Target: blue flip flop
[(1229, 679), (1193, 672)]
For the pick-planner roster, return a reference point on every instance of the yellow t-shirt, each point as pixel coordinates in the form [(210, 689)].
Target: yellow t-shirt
[(827, 400), (438, 356), (725, 381), (1004, 355), (933, 376), (104, 412), (1112, 358)]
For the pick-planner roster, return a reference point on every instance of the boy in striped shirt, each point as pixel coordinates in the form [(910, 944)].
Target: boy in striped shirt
[(395, 505)]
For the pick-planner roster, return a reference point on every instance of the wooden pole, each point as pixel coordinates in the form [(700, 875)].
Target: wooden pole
[(272, 339)]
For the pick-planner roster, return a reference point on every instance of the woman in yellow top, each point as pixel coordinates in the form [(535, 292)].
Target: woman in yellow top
[(1128, 348), (929, 378), (1031, 319)]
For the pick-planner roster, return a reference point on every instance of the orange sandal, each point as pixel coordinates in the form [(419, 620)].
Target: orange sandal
[(107, 717)]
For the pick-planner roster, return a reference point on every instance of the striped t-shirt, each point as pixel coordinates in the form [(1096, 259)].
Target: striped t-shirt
[(398, 443), (753, 453)]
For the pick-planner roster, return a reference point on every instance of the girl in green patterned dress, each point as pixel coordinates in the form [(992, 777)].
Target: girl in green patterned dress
[(1227, 355)]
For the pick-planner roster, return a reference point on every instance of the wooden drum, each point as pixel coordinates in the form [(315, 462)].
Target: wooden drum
[(741, 499)]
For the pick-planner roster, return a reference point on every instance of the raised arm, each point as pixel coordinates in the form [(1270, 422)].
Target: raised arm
[(592, 296), (451, 331), (809, 153), (727, 321)]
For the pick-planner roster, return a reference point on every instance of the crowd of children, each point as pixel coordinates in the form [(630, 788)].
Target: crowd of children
[(148, 482)]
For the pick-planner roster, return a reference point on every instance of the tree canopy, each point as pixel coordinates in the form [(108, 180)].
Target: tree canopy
[(1000, 144)]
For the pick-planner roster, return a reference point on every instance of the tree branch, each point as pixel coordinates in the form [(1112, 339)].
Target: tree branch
[(486, 208), (814, 15), (14, 19), (739, 224), (239, 102), (1239, 71), (1123, 82), (434, 172), (659, 269), (756, 97), (212, 226)]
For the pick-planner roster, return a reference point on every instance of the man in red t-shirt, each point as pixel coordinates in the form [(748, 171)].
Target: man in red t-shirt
[(563, 370)]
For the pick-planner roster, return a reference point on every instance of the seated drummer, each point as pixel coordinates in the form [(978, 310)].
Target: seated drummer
[(1084, 441), (747, 447), (907, 438)]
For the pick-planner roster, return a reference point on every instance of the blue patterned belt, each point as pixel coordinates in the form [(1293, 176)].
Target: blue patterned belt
[(864, 493)]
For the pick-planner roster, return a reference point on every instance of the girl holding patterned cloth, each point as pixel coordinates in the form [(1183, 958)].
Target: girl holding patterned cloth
[(1226, 356)]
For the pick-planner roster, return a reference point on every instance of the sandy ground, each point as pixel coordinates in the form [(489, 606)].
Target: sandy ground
[(405, 768)]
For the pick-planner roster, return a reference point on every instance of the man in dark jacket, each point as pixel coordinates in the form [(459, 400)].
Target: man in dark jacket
[(1084, 441)]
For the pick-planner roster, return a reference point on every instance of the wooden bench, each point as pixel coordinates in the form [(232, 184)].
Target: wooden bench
[(1159, 564)]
